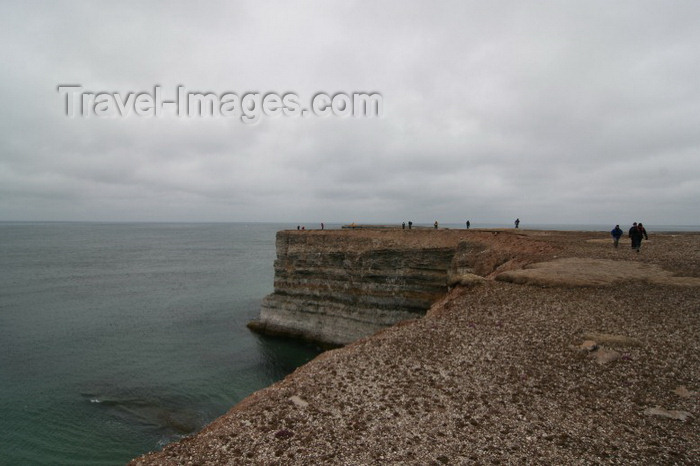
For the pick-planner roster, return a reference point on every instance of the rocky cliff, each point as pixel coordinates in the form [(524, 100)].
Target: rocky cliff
[(562, 362), (334, 287)]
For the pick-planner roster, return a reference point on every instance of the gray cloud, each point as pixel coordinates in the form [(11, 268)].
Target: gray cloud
[(551, 111)]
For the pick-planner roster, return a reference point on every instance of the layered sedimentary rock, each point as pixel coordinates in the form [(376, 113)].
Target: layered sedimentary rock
[(334, 287)]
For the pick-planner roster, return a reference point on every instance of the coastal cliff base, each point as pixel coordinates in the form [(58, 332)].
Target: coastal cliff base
[(496, 373)]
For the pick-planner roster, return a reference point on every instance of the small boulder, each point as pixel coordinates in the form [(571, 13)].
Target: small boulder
[(668, 413), (298, 402), (684, 392), (465, 279), (604, 356), (589, 345)]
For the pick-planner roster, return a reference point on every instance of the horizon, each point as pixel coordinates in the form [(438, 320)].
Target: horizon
[(315, 225)]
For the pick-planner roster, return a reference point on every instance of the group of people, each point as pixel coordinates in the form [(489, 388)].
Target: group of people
[(436, 224), (636, 233), (299, 227)]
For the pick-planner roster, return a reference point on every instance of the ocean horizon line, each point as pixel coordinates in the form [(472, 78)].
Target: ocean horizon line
[(316, 225)]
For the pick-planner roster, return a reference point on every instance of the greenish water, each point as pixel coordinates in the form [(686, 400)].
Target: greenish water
[(116, 339)]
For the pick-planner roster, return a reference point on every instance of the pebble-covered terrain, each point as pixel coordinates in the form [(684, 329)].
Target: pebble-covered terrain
[(498, 372)]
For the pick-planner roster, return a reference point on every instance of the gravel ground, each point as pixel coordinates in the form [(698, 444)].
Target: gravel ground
[(495, 373)]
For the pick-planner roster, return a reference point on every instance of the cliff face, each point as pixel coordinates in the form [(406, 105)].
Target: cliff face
[(337, 286)]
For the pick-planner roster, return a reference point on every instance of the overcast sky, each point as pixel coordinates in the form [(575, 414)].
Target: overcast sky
[(554, 112)]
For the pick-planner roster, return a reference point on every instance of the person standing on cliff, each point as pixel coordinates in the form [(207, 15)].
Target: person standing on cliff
[(410, 224), (436, 224), (635, 236), (517, 222), (403, 225), (616, 234), (322, 225), (642, 233), (468, 224)]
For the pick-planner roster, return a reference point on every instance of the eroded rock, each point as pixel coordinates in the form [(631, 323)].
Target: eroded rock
[(683, 392), (589, 345), (667, 413), (604, 356), (576, 271), (298, 402)]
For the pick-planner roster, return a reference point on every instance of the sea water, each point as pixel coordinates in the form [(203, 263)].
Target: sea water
[(116, 339)]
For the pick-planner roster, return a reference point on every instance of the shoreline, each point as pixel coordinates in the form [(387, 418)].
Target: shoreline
[(497, 371)]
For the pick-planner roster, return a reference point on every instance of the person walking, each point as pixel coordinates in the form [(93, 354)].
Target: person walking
[(403, 226), (642, 234), (517, 222), (635, 237), (410, 224), (436, 224), (616, 234), (468, 224)]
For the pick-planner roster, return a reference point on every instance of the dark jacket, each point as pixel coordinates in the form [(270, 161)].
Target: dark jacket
[(616, 232), (635, 234), (642, 232)]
